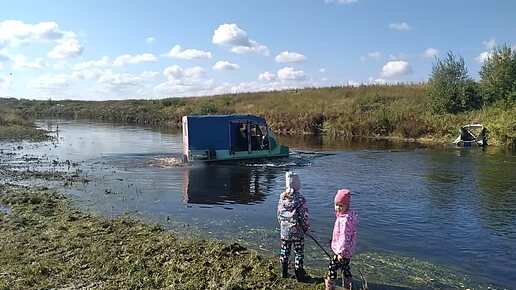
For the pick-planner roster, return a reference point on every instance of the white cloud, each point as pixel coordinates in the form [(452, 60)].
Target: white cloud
[(267, 76), (322, 70), (232, 36), (483, 56), (104, 61), (52, 82), (371, 55), (287, 56), (66, 47), (125, 79), (378, 81), (400, 56), (4, 56), (353, 84), (431, 53), (61, 65), (122, 85), (396, 68), (375, 55), (150, 40), (340, 1), (184, 87), (15, 32), (21, 62), (195, 72), (289, 74), (187, 54), (225, 65), (129, 59), (175, 72), (400, 26), (490, 44), (86, 74), (5, 83)]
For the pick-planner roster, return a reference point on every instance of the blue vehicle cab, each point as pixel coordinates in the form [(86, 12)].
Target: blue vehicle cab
[(228, 137)]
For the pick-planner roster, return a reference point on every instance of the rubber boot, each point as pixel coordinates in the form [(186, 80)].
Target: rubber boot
[(284, 270), (302, 276), (329, 284), (347, 282)]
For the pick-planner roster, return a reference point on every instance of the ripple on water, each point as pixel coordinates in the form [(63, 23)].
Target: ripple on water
[(166, 162)]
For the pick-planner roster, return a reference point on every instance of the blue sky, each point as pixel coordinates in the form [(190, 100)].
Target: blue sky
[(98, 50)]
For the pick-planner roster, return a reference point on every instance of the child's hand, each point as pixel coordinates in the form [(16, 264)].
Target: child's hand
[(284, 195)]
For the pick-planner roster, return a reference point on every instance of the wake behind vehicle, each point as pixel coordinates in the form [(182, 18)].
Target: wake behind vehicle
[(228, 137), (471, 135)]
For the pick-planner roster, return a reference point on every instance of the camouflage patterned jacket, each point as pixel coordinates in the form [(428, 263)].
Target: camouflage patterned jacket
[(293, 216)]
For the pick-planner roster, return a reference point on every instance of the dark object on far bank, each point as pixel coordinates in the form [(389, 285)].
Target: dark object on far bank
[(473, 134)]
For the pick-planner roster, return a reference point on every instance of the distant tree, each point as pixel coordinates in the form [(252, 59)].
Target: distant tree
[(450, 88), (498, 76)]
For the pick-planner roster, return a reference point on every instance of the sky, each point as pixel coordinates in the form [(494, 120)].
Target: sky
[(111, 50)]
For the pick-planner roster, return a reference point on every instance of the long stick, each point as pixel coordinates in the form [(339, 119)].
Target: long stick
[(329, 256)]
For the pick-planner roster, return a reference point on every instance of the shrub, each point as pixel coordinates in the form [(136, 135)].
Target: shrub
[(450, 88)]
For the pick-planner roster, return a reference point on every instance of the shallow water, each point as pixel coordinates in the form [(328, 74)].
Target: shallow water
[(439, 204)]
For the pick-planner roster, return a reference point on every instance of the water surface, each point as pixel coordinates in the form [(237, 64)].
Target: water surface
[(447, 206)]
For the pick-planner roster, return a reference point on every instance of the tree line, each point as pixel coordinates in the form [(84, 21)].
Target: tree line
[(452, 90)]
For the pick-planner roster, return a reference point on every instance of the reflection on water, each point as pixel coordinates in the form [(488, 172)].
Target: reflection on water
[(443, 205), (222, 184), (330, 143)]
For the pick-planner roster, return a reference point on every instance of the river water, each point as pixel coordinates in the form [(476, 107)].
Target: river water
[(454, 208)]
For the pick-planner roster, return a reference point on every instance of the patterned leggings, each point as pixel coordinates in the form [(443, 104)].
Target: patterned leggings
[(299, 252), (335, 265)]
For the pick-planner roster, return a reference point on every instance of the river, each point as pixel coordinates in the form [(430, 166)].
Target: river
[(436, 204)]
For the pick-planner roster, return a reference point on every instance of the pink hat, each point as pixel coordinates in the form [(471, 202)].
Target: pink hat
[(343, 196)]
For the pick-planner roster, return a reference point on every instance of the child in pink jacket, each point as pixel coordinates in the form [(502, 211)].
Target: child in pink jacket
[(343, 240)]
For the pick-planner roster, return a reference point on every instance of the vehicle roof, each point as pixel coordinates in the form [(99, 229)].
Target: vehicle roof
[(216, 131), (232, 117), (473, 126)]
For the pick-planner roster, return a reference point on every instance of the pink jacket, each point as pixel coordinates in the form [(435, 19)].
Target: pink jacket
[(345, 234)]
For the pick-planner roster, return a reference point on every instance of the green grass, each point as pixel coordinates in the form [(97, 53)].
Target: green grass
[(48, 244), (395, 111)]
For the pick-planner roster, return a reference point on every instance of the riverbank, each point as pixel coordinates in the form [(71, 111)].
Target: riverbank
[(402, 112), (49, 244)]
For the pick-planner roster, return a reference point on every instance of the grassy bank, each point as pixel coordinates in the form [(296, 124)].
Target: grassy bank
[(48, 244), (395, 111), (17, 126)]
